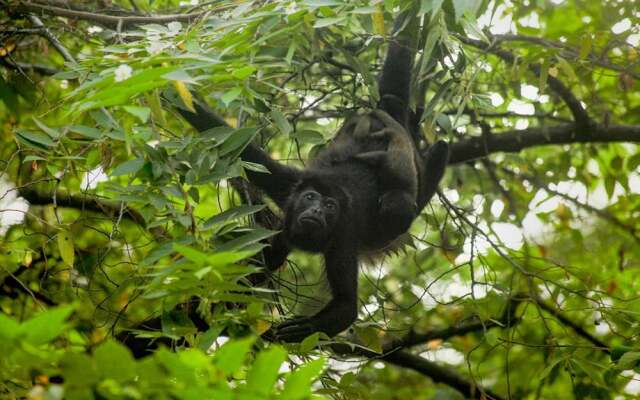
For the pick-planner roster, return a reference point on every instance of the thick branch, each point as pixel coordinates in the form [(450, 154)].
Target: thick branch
[(507, 319), (440, 374), (110, 21), (52, 39), (435, 372), (580, 331), (19, 66), (515, 141), (86, 203)]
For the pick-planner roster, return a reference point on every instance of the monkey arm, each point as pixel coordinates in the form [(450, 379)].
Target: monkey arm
[(342, 273), (431, 167), (280, 179)]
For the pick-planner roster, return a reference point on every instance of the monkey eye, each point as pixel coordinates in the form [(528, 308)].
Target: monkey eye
[(309, 196), (330, 205)]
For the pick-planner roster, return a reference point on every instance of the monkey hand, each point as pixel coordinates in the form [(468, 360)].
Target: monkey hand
[(294, 330), (331, 320)]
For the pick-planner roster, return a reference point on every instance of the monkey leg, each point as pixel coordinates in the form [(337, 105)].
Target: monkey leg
[(432, 167)]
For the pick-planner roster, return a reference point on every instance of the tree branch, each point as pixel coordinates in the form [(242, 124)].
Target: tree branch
[(85, 203), (580, 331), (52, 39), (435, 372), (111, 21), (440, 374), (517, 140), (19, 66)]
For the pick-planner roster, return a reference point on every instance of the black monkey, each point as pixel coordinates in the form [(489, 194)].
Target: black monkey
[(332, 205)]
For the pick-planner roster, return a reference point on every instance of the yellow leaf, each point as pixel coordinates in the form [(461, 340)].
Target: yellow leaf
[(585, 49), (262, 326), (378, 20), (65, 246), (28, 259), (153, 100), (185, 95)]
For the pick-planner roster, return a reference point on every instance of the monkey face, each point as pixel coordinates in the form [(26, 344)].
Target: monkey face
[(311, 218)]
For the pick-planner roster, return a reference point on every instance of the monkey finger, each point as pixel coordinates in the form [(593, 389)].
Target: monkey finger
[(348, 126), (385, 133), (388, 120), (362, 127)]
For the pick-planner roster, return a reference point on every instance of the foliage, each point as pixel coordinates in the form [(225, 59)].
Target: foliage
[(115, 211)]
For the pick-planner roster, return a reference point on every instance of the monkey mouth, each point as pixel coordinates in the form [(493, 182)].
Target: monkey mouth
[(311, 221)]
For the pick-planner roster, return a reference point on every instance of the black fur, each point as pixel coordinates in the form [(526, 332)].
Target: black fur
[(338, 175)]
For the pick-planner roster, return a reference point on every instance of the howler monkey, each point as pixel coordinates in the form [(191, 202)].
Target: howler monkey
[(331, 206)]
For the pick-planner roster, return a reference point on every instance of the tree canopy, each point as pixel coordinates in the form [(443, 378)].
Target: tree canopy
[(123, 225)]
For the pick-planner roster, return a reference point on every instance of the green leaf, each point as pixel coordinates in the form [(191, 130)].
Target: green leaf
[(243, 72), (629, 360), (264, 371), (238, 140), (46, 326), (34, 139), (324, 22), (281, 122), (232, 214), (115, 361), (242, 242), (298, 385), (8, 327), (444, 122), (633, 162), (192, 254), (66, 248), (462, 7), (33, 158), (230, 357), (53, 133), (429, 5), (79, 370), (176, 323), (142, 113), (231, 95), (545, 372), (567, 69), (309, 136), (370, 337), (206, 340), (309, 343), (179, 75), (322, 3), (129, 167), (609, 185), (585, 48), (91, 133)]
